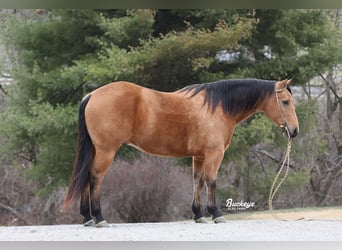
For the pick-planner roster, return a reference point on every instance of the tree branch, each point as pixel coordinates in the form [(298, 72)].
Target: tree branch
[(73, 92), (261, 163), (3, 90), (332, 88), (273, 158), (14, 212)]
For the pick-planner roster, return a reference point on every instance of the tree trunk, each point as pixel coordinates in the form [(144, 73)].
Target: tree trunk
[(339, 131)]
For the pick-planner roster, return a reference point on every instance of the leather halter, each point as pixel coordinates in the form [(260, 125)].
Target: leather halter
[(283, 125)]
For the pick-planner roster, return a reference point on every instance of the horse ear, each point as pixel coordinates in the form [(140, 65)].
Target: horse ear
[(288, 82), (282, 84)]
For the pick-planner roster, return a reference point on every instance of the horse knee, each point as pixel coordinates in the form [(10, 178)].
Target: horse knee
[(211, 183)]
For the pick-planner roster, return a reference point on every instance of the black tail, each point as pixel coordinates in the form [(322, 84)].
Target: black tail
[(84, 156)]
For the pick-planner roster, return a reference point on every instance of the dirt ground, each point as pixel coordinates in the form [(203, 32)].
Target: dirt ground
[(316, 214), (319, 225)]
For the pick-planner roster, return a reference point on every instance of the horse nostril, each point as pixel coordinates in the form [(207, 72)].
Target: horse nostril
[(294, 133)]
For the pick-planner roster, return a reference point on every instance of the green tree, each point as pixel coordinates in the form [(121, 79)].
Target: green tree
[(40, 119)]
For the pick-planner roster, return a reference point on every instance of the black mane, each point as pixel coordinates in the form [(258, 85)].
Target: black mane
[(235, 95)]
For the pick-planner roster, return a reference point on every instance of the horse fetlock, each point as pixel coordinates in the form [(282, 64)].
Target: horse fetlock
[(214, 211), (102, 224), (89, 223), (219, 220), (201, 220), (196, 209)]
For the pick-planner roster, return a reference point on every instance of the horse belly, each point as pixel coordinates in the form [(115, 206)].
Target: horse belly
[(165, 135)]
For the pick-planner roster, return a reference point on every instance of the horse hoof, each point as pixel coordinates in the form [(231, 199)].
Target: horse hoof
[(219, 220), (201, 220), (89, 223), (102, 224)]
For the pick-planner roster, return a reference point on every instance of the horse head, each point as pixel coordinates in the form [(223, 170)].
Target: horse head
[(280, 107)]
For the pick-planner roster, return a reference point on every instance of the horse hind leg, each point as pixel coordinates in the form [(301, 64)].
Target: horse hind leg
[(85, 207), (102, 161)]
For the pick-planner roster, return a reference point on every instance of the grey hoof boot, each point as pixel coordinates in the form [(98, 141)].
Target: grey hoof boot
[(219, 220), (201, 220), (102, 224), (89, 223)]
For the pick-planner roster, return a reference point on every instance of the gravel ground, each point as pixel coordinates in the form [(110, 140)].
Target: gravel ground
[(238, 230)]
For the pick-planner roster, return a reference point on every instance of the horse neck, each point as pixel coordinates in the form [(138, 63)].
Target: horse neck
[(241, 117), (247, 114)]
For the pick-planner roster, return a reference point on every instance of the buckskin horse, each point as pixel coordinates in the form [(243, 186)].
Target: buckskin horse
[(197, 121)]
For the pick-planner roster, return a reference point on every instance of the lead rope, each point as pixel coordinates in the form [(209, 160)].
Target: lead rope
[(274, 188), (286, 162)]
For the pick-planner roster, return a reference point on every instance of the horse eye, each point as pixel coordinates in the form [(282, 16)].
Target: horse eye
[(285, 102)]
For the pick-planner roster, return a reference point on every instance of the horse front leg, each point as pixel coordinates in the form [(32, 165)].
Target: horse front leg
[(198, 179), (211, 166), (212, 207)]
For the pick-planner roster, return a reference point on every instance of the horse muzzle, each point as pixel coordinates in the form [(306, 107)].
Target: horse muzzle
[(289, 132)]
